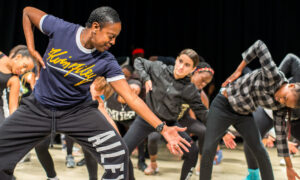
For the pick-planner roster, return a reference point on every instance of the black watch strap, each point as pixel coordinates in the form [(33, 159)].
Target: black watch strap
[(160, 127)]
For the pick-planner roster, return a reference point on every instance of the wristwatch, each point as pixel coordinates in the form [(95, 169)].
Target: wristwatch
[(160, 127)]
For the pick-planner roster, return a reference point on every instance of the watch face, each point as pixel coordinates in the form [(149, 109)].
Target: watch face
[(160, 127)]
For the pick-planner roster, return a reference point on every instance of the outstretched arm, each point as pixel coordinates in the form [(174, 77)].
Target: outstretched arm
[(31, 18), (138, 105)]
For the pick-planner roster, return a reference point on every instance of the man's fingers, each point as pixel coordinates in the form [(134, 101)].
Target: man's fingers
[(181, 129), (183, 147), (185, 142)]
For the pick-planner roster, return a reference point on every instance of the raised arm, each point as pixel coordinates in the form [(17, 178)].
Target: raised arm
[(31, 18), (259, 50), (290, 65)]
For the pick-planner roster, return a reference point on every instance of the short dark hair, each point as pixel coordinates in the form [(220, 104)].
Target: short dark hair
[(103, 15), (16, 49), (129, 68), (23, 51), (192, 54)]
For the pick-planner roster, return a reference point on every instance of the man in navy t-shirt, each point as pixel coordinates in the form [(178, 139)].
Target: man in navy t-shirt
[(61, 101)]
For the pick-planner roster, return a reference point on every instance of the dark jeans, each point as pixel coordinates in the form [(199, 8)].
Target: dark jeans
[(265, 123), (32, 122), (140, 129), (220, 117)]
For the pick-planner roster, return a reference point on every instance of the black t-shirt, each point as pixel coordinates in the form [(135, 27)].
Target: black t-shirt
[(118, 111)]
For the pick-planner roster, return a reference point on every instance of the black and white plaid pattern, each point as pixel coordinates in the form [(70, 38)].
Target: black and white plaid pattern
[(258, 88)]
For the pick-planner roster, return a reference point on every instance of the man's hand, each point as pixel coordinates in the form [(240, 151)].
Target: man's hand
[(148, 86), (292, 147), (269, 142), (229, 140), (175, 142), (95, 94), (232, 78), (291, 173)]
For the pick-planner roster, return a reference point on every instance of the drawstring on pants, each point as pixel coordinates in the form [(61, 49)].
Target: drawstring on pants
[(53, 127)]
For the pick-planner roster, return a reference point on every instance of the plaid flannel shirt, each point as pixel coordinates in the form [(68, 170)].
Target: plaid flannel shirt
[(258, 88)]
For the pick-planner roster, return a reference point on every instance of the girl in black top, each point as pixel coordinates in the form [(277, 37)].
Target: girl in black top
[(10, 69), (168, 87)]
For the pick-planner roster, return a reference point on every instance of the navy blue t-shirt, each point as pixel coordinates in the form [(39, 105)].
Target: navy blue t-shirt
[(70, 67)]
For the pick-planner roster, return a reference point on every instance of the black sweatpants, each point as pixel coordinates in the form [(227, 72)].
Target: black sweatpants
[(265, 123), (140, 129), (220, 117), (33, 122)]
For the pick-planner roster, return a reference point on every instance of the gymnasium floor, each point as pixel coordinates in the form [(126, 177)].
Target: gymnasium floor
[(232, 167)]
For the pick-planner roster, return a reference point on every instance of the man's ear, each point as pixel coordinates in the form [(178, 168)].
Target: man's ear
[(95, 26)]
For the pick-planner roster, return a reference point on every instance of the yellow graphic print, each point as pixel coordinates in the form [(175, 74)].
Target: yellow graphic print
[(85, 72), (184, 107)]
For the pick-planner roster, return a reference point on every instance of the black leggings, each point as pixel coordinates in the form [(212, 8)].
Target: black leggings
[(140, 129), (45, 158), (193, 126), (220, 117), (264, 124), (123, 127)]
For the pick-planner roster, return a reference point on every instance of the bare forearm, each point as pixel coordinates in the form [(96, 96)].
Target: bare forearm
[(242, 65), (104, 112), (28, 31), (288, 162), (139, 106), (31, 18)]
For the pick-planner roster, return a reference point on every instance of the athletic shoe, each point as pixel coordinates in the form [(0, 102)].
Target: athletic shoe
[(282, 162), (55, 178), (253, 174), (70, 163), (142, 165), (219, 155), (81, 162)]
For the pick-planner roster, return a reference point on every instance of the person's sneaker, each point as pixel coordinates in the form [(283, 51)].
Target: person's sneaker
[(152, 169), (253, 174), (70, 163), (142, 165), (219, 158), (81, 162), (55, 178), (282, 162)]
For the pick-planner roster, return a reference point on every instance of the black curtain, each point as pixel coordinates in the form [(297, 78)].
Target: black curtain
[(218, 30)]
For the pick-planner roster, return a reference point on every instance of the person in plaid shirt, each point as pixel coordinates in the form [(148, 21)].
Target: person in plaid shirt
[(266, 87)]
